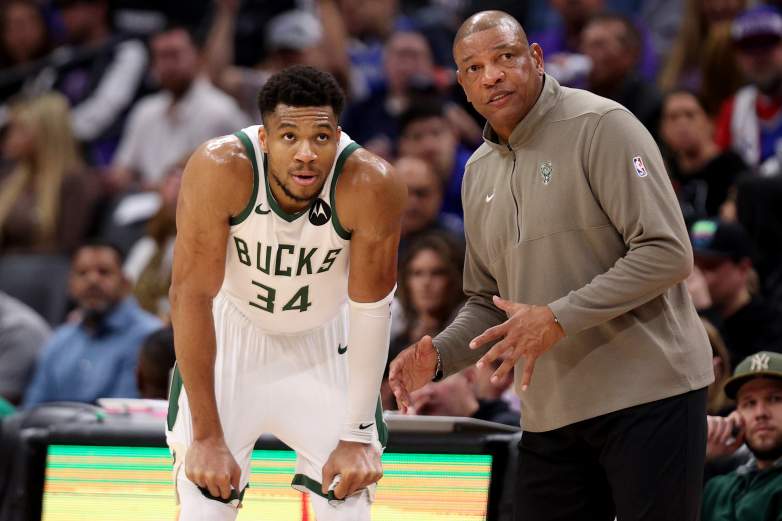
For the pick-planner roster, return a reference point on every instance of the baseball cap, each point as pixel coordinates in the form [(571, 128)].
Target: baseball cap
[(720, 240), (293, 30), (765, 363), (762, 23)]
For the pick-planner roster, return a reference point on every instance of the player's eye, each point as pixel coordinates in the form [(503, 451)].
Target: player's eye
[(288, 136), (323, 137)]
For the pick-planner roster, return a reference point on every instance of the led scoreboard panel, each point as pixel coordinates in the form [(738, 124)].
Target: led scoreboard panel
[(104, 482)]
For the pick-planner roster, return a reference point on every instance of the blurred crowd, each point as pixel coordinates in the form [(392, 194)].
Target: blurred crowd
[(102, 102)]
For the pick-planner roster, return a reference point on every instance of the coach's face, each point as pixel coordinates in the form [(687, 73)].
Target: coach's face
[(760, 406), (501, 75), (301, 144)]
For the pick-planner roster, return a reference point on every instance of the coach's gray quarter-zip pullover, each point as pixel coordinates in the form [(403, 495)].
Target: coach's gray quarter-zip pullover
[(577, 212)]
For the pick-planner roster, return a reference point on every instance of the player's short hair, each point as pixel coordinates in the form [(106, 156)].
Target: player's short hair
[(301, 86)]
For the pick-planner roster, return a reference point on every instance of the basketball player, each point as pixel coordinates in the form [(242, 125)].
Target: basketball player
[(287, 234)]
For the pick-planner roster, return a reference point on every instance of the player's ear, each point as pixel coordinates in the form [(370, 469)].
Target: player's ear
[(262, 136), (339, 133)]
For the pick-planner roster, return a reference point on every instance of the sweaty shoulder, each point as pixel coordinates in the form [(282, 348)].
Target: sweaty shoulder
[(221, 171), (368, 183)]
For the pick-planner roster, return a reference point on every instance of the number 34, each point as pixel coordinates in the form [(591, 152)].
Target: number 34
[(299, 301)]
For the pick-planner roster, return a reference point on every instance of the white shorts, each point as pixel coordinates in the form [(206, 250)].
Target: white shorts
[(291, 386)]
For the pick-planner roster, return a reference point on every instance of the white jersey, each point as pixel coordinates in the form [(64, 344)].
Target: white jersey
[(287, 272)]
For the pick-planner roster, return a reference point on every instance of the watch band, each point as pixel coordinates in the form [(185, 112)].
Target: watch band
[(438, 372)]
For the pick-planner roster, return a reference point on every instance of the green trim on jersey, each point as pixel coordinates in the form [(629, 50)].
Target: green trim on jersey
[(237, 497), (248, 146), (290, 217), (303, 483), (173, 397), (382, 428), (342, 232)]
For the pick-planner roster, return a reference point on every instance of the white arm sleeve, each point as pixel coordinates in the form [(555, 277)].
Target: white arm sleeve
[(368, 338)]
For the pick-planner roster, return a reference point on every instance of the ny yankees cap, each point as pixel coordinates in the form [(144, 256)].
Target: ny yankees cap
[(764, 363)]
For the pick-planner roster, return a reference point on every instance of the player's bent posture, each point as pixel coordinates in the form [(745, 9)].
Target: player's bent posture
[(284, 269)]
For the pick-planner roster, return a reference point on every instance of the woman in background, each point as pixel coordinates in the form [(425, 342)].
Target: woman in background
[(47, 196)]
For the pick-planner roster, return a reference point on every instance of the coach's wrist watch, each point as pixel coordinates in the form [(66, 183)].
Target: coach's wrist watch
[(438, 370)]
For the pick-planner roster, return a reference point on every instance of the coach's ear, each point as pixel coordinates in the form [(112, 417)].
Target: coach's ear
[(262, 139)]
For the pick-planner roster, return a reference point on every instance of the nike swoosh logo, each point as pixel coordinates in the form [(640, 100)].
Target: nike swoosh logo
[(490, 197), (259, 211), (365, 426), (342, 350)]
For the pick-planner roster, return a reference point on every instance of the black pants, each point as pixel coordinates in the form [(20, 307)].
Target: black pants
[(643, 463)]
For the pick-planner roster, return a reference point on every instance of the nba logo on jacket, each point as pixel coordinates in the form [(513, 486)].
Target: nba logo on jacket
[(640, 169)]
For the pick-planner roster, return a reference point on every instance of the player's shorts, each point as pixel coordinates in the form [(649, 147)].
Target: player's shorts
[(291, 386)]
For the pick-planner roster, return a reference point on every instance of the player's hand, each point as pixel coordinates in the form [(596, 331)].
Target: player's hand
[(725, 435), (210, 465), (412, 369), (357, 464), (529, 331)]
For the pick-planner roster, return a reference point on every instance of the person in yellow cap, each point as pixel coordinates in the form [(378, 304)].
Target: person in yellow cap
[(754, 490)]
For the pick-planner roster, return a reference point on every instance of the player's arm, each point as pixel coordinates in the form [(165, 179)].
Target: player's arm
[(216, 184), (370, 198)]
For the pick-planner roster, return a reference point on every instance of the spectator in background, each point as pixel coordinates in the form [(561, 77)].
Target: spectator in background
[(613, 45), (759, 210), (22, 335), (294, 37), (563, 42), (47, 198), (24, 39), (702, 59), (717, 403), (95, 356), (430, 288), (25, 36), (426, 133), (702, 174), (408, 65), (100, 73), (423, 214), (165, 126), (751, 122), (155, 361), (368, 25), (458, 395), (723, 254), (754, 490), (149, 263)]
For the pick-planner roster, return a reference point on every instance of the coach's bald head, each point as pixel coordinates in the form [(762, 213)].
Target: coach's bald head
[(489, 20), (500, 72)]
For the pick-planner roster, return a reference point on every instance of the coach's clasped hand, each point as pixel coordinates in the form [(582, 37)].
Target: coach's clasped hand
[(209, 464), (357, 464), (529, 331)]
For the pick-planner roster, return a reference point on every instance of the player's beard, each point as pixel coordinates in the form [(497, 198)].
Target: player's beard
[(299, 199)]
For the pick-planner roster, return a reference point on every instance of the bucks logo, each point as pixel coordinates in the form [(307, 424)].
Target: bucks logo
[(545, 171), (320, 213)]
